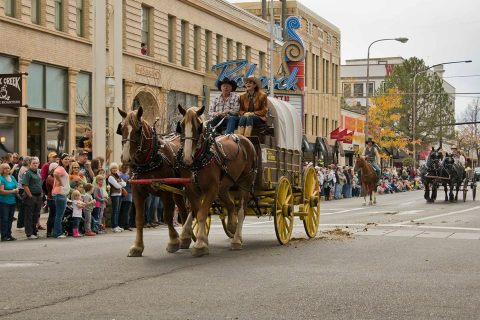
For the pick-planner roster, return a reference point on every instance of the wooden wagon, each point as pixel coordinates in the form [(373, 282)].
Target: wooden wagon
[(284, 187)]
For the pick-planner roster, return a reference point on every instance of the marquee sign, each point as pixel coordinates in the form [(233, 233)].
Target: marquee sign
[(293, 64), (11, 90), (232, 70)]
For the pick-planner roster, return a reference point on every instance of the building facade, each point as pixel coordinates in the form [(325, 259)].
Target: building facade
[(167, 50), (321, 95)]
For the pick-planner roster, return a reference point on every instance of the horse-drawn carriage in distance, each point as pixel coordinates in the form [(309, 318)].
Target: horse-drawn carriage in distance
[(229, 175), (445, 170)]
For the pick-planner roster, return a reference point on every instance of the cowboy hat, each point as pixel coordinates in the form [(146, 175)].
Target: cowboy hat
[(370, 140), (227, 81), (254, 80)]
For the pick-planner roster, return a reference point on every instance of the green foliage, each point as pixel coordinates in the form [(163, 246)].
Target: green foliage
[(433, 105)]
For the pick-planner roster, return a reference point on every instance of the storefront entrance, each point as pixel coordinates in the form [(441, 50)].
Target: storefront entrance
[(45, 136)]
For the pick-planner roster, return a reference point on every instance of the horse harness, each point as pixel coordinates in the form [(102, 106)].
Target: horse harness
[(213, 150), (155, 157)]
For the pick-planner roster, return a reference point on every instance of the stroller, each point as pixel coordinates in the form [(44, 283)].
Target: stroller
[(67, 222)]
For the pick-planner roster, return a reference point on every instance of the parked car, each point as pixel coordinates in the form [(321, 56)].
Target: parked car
[(477, 173)]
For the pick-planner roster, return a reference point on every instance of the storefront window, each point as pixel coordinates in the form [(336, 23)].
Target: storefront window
[(8, 137), (56, 137), (7, 65), (56, 89), (83, 93), (82, 124), (34, 137), (35, 86), (47, 87)]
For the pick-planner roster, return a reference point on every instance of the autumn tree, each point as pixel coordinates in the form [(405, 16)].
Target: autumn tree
[(384, 121), (468, 136), (434, 108)]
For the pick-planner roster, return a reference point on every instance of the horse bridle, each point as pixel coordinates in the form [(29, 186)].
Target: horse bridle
[(140, 149)]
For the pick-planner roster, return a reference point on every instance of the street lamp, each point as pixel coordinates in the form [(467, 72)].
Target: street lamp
[(414, 113), (402, 40)]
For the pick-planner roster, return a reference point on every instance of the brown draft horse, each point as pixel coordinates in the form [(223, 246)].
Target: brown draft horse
[(216, 164), (368, 180), (150, 156)]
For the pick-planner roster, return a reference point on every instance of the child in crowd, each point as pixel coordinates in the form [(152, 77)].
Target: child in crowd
[(87, 210), (101, 202), (77, 205)]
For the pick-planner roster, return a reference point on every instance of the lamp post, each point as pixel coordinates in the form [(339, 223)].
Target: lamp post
[(414, 112), (402, 40)]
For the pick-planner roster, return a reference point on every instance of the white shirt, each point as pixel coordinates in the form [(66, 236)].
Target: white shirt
[(77, 211), (230, 105)]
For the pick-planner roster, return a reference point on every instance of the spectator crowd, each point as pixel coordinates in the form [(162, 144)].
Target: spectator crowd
[(75, 192), (337, 182)]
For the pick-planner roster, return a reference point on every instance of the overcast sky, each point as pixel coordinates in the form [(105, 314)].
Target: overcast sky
[(439, 31)]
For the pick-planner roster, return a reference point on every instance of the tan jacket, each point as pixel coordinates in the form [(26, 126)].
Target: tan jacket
[(260, 109)]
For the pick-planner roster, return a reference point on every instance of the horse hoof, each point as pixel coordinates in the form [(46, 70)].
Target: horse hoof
[(173, 247), (185, 243), (200, 252), (135, 251), (236, 246)]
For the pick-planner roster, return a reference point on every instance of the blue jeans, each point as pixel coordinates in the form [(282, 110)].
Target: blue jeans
[(51, 215), (377, 169), (338, 191), (230, 123), (115, 210), (60, 205), (95, 219), (151, 205), (125, 211), (76, 222), (6, 219), (249, 121), (160, 210), (21, 210)]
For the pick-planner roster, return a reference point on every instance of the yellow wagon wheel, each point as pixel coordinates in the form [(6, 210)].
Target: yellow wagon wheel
[(311, 202), (208, 222), (283, 215)]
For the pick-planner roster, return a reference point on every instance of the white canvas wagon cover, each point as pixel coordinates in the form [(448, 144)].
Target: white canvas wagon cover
[(287, 124)]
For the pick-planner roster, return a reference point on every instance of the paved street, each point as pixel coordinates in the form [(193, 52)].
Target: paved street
[(399, 259)]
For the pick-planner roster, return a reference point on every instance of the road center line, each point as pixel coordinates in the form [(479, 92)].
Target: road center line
[(439, 215)]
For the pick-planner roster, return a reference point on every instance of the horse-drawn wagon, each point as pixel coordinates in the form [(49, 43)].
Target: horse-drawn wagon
[(444, 170), (229, 175), (284, 186)]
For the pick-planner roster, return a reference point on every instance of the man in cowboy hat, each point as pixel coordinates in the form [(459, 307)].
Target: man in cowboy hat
[(372, 155), (457, 155), (253, 106), (225, 106)]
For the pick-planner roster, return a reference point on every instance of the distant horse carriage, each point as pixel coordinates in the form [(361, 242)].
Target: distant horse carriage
[(445, 171), (231, 175)]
